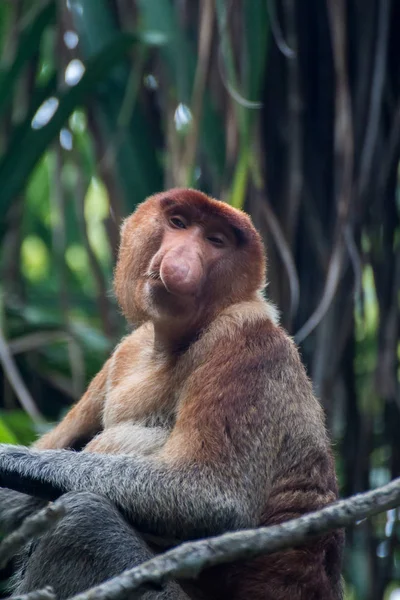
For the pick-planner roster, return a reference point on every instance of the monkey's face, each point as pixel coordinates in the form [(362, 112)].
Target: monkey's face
[(184, 257)]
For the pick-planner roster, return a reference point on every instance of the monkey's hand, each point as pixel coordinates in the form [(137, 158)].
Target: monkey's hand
[(15, 507), (24, 470)]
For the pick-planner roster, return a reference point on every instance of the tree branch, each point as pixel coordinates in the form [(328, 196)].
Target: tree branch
[(189, 559), (32, 527), (13, 375), (46, 593)]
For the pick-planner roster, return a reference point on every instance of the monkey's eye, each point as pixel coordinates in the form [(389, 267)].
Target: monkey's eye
[(177, 223), (217, 240)]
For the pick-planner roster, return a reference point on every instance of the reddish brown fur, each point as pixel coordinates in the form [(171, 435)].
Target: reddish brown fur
[(187, 389)]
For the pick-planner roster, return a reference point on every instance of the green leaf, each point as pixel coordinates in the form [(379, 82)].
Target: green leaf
[(6, 435), (255, 33), (6, 15), (179, 55), (256, 30), (28, 44), (19, 425), (17, 164), (121, 118), (240, 180)]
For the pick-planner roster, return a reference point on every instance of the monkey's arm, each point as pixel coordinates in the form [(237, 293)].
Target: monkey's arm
[(179, 502), (80, 424), (83, 421), (212, 475)]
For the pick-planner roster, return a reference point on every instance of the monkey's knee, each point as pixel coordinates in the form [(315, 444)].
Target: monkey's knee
[(87, 514), (91, 544), (80, 505)]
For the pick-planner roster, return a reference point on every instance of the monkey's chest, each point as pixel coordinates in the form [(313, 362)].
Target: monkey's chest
[(146, 396)]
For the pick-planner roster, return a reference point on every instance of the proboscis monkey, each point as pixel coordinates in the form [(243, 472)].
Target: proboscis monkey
[(202, 421)]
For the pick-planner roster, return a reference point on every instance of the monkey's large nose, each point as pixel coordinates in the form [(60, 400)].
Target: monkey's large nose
[(181, 273)]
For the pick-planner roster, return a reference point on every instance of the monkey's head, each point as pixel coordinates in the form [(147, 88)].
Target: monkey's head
[(184, 257)]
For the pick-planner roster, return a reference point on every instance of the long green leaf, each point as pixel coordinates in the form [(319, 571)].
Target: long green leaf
[(40, 94), (256, 30), (255, 33), (137, 164), (35, 141), (20, 429), (179, 55), (28, 44), (6, 435)]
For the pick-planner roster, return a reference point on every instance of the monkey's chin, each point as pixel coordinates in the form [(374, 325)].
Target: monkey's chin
[(164, 304)]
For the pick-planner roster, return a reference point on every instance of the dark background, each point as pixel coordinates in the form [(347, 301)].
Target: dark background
[(287, 109)]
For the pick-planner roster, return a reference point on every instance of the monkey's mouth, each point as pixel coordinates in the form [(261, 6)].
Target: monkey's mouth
[(154, 275), (157, 285)]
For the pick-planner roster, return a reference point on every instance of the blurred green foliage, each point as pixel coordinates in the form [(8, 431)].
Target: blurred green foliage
[(104, 103)]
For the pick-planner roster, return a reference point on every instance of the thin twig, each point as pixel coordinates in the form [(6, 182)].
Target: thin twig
[(17, 383), (386, 372), (284, 251), (294, 160), (205, 42), (30, 14), (59, 237), (32, 527), (59, 246), (343, 168), (46, 593), (391, 156), (295, 125), (331, 284), (102, 298), (314, 229), (189, 559), (37, 339), (277, 32), (110, 180), (235, 95), (355, 260), (377, 86), (126, 111)]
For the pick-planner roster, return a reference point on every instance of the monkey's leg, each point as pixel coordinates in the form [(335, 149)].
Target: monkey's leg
[(88, 546)]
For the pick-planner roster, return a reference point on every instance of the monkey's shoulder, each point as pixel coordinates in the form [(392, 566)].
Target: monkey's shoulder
[(244, 345), (248, 328)]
